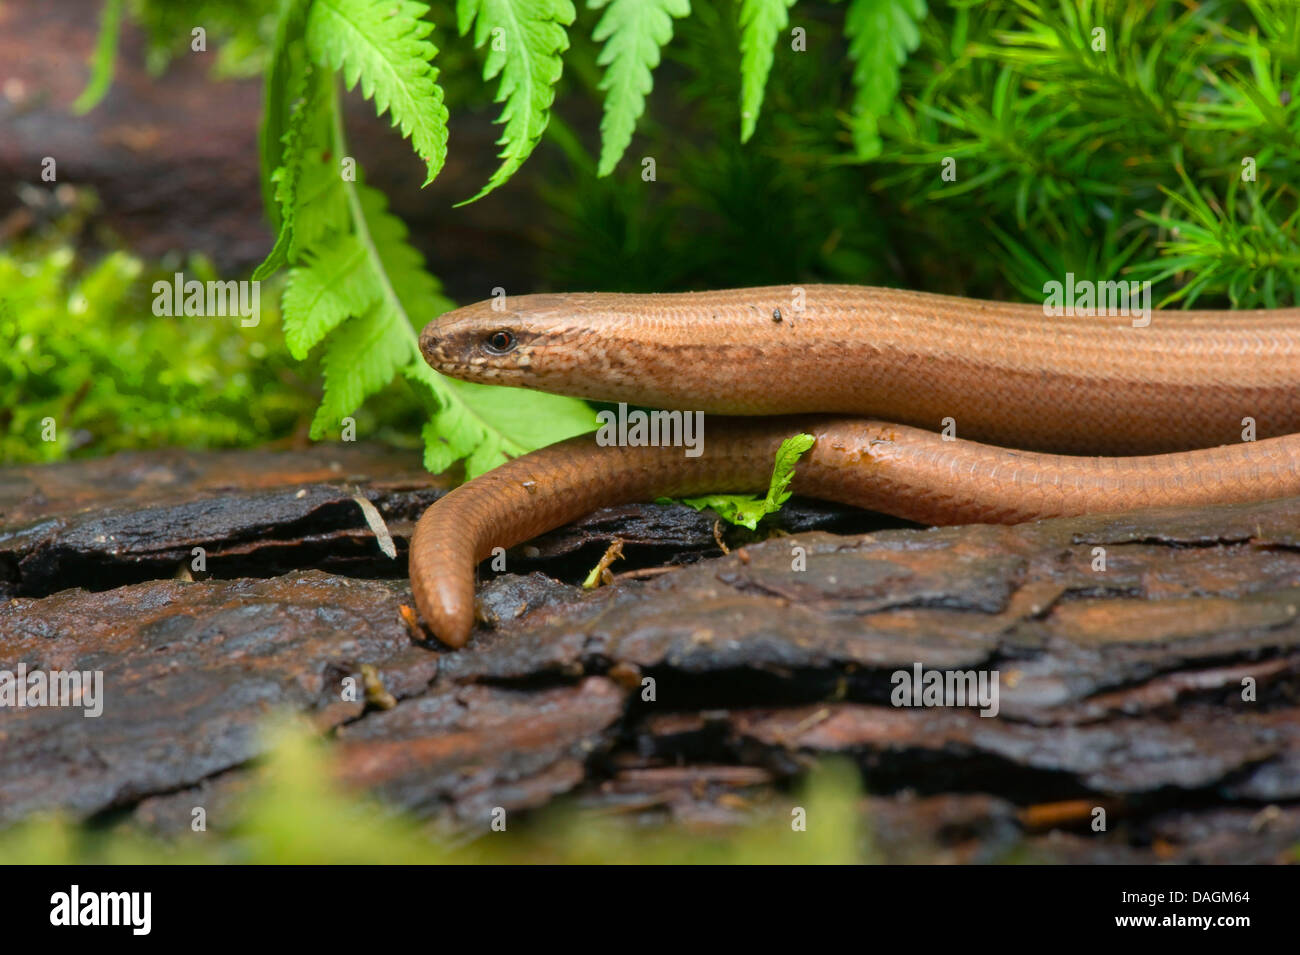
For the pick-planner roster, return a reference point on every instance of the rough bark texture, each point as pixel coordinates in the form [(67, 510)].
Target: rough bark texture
[(1120, 688)]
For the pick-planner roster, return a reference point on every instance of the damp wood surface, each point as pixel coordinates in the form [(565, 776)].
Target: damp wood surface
[(1120, 688)]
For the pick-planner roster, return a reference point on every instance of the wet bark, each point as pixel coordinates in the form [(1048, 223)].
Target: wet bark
[(1147, 664)]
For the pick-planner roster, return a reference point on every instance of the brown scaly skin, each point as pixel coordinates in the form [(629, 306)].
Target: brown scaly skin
[(1006, 374)]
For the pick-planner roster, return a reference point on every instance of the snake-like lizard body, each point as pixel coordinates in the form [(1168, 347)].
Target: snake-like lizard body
[(867, 371)]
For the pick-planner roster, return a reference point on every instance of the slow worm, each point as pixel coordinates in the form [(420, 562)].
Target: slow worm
[(873, 374)]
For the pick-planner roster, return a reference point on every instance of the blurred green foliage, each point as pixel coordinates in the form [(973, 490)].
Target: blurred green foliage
[(82, 346), (786, 207), (295, 814), (1162, 154), (85, 350), (237, 32), (1161, 147), (1144, 139)]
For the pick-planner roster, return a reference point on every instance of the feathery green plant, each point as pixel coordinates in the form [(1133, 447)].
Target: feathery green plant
[(748, 509), (385, 47), (761, 21), (1138, 138), (104, 58), (525, 40), (633, 31), (355, 284), (881, 35)]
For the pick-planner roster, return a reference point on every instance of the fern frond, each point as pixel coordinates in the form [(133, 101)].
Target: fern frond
[(320, 202), (104, 60), (359, 287), (761, 21), (525, 40), (881, 34), (326, 289), (307, 123), (485, 424), (361, 359), (382, 44), (416, 291), (351, 286), (634, 31), (286, 82)]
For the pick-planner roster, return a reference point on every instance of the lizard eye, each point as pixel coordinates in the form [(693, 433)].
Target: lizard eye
[(500, 342)]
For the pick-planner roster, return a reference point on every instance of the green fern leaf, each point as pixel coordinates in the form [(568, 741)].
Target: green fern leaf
[(748, 509), (525, 40), (761, 21), (382, 44), (390, 295), (362, 289), (320, 202), (286, 82), (417, 292), (881, 35), (507, 414), (485, 424), (324, 291), (361, 358), (307, 123), (633, 31), (352, 286), (104, 60)]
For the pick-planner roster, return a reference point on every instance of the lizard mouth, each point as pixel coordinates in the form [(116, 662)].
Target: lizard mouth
[(434, 348)]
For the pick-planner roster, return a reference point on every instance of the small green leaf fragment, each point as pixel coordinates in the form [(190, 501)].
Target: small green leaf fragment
[(747, 510)]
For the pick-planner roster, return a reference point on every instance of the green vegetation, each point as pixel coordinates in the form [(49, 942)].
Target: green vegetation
[(748, 509), (978, 147), (296, 815), (88, 368), (974, 147), (982, 148)]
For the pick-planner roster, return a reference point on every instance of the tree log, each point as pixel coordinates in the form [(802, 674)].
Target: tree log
[(1147, 664)]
